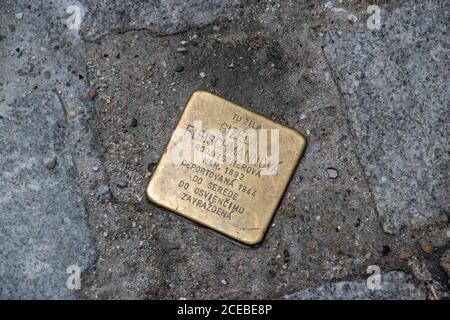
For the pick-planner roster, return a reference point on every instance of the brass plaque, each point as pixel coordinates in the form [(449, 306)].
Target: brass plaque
[(226, 167)]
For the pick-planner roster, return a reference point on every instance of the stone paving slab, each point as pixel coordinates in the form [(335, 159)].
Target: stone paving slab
[(394, 83), (103, 17), (43, 218), (392, 286), (43, 227)]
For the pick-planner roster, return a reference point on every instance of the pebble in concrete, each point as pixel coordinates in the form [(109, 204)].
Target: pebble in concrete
[(332, 173), (50, 162)]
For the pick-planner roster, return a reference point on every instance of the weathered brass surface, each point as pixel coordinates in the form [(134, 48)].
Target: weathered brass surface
[(230, 198)]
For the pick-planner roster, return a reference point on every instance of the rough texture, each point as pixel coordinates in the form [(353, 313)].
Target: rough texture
[(393, 286), (43, 219)]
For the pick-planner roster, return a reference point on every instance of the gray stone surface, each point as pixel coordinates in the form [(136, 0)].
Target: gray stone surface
[(328, 226), (43, 226), (43, 219), (394, 83), (393, 286), (300, 64)]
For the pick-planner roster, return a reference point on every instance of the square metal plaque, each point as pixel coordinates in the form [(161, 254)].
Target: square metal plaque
[(226, 167)]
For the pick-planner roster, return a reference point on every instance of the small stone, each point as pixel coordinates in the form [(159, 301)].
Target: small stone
[(385, 249), (179, 68), (92, 93), (256, 42), (105, 234), (419, 269), (133, 224), (71, 114), (329, 4), (19, 15), (224, 282), (404, 255), (95, 169), (332, 173), (151, 166), (102, 190), (202, 74), (183, 42), (182, 49), (342, 138), (134, 122), (61, 123), (216, 28), (122, 184), (426, 246), (50, 162)]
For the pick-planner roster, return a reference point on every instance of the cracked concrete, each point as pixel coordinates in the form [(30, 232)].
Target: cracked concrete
[(309, 66)]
